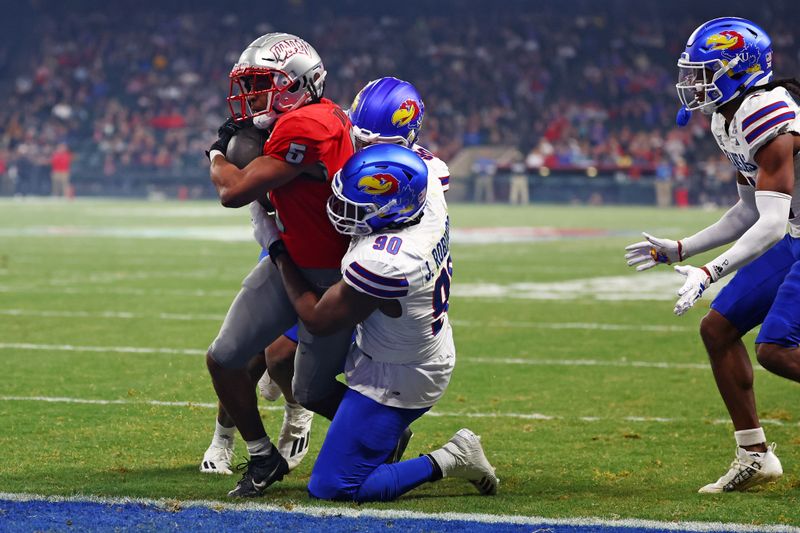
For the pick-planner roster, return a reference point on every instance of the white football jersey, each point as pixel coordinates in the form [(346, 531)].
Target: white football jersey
[(406, 361), (761, 117), (436, 167)]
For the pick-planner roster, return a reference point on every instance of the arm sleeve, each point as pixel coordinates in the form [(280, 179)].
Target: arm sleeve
[(376, 279), (773, 209), (727, 229)]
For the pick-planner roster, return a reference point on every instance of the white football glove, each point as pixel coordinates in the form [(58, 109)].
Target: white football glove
[(265, 231), (653, 251), (697, 281)]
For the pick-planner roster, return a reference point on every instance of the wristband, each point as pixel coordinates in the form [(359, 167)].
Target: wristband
[(214, 153), (277, 249), (708, 273)]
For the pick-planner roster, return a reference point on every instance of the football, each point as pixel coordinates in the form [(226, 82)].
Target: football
[(246, 145)]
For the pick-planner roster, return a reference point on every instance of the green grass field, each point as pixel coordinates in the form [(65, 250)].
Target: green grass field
[(632, 423)]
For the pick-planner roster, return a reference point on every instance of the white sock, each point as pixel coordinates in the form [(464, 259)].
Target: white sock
[(223, 437), (444, 459), (750, 437), (261, 446)]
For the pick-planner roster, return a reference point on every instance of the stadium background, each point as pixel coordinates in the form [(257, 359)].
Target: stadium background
[(593, 400), (579, 92)]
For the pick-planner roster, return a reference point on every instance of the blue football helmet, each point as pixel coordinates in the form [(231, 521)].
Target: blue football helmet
[(387, 110), (723, 58), (383, 186)]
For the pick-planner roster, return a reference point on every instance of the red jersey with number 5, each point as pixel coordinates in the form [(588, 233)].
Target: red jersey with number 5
[(314, 135)]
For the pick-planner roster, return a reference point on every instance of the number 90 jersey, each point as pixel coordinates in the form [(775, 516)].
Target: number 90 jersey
[(412, 266)]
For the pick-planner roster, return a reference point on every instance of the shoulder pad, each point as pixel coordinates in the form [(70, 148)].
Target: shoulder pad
[(436, 167), (764, 115)]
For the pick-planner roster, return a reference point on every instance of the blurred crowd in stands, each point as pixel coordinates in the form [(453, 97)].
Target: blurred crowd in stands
[(134, 90)]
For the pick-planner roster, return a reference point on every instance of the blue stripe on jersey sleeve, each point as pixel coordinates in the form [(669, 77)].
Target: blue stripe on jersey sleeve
[(763, 112), (756, 133), (376, 278), (374, 291)]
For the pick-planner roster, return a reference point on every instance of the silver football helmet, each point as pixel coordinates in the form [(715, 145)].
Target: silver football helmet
[(276, 73)]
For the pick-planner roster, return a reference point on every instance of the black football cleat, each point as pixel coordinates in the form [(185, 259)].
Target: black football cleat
[(400, 449), (261, 471)]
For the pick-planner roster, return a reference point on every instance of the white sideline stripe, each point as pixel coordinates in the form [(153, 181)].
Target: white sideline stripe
[(349, 512), (463, 323), (488, 360), (432, 413)]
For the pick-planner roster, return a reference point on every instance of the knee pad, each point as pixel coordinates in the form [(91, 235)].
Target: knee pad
[(225, 354), (326, 487), (325, 406)]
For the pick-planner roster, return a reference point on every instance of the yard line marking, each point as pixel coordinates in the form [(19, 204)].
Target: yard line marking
[(392, 514), (585, 362), (433, 413), (660, 328), (657, 286), (125, 315), (573, 325), (116, 277), (660, 286), (129, 291), (488, 360), (108, 314), (115, 349), (482, 360)]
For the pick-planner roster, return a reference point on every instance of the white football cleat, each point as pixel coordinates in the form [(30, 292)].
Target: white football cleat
[(268, 389), (295, 434), (747, 470), (463, 457), (217, 460)]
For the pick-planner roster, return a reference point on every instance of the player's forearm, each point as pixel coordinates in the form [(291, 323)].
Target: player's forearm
[(770, 227), (731, 226), (237, 188), (302, 295), (228, 179)]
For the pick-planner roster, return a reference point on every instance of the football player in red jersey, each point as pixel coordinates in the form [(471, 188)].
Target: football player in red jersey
[(311, 138)]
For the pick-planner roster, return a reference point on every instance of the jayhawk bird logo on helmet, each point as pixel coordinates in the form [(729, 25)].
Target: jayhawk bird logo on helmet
[(726, 40), (406, 113), (378, 184)]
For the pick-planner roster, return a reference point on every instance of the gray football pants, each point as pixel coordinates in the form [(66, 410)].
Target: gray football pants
[(261, 312)]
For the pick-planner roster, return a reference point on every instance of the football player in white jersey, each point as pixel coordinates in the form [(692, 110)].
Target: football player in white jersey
[(395, 289), (725, 71)]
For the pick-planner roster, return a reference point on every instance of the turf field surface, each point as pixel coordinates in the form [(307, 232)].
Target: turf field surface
[(592, 398)]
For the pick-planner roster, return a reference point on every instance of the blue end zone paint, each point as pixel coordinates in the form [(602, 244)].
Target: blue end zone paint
[(41, 515)]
